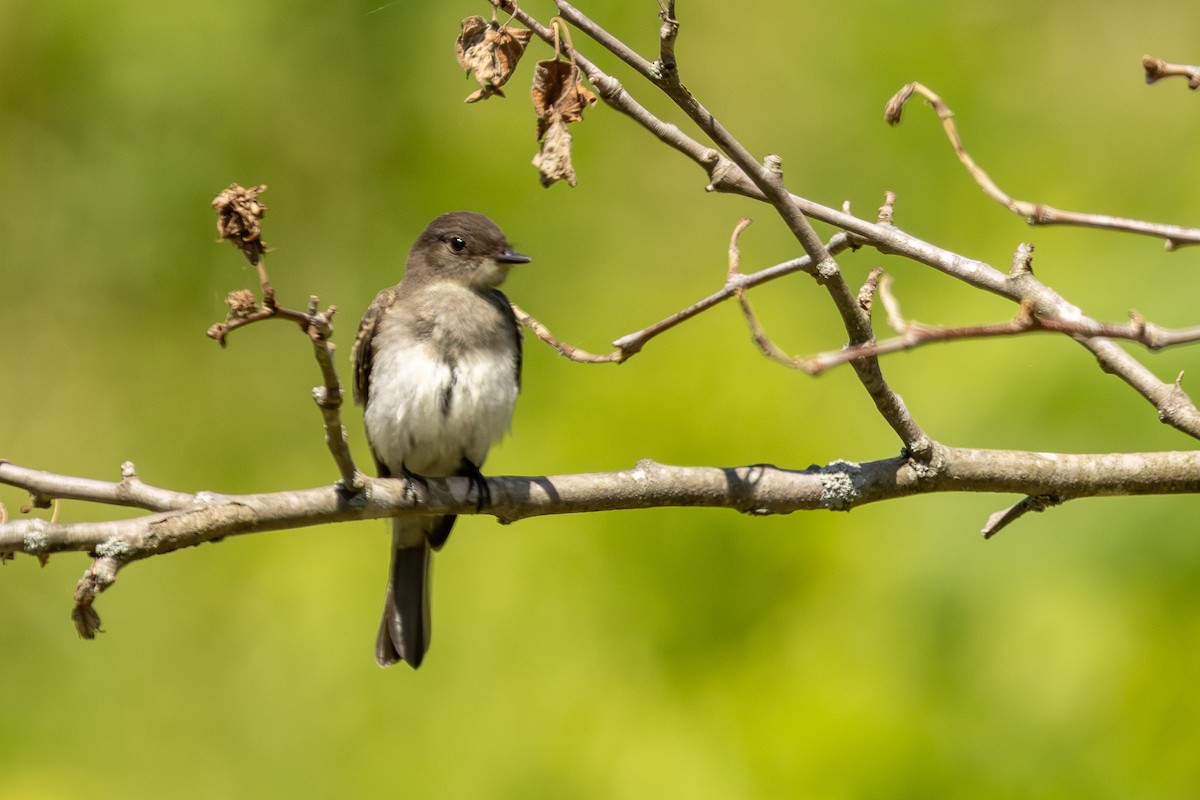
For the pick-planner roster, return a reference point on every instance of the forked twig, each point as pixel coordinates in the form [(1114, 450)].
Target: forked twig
[(239, 217)]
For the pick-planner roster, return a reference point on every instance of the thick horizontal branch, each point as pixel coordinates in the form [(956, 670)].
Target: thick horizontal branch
[(754, 489)]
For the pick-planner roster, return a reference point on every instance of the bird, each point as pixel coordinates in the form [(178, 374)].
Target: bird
[(437, 369)]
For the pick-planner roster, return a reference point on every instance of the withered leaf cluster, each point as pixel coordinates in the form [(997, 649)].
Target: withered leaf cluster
[(239, 214), (491, 51), (559, 98)]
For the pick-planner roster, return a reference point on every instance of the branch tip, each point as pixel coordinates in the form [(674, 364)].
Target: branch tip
[(866, 294), (1022, 261), (887, 212), (667, 66), (1002, 519), (98, 577), (894, 109), (1156, 69)]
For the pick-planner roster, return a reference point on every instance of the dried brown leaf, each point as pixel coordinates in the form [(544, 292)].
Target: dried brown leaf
[(558, 93), (553, 160), (470, 36), (491, 51)]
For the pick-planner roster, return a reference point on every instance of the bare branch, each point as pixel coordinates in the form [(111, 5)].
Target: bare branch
[(666, 36), (752, 489), (45, 487), (1174, 236), (756, 489), (632, 343), (329, 396), (767, 177), (1157, 69), (764, 342), (1173, 405), (98, 577), (915, 334), (1002, 519), (570, 351)]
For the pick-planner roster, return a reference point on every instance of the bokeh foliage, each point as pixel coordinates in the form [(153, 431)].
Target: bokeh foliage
[(884, 653)]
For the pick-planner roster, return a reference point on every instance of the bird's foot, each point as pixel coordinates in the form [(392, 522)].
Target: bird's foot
[(483, 495), (412, 478)]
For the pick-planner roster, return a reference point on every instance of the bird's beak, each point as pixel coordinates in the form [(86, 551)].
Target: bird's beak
[(509, 257)]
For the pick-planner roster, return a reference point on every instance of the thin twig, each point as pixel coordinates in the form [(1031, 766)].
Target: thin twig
[(761, 340), (631, 344), (239, 220), (570, 351), (329, 396), (1002, 519), (666, 36), (915, 334), (98, 577), (1174, 236), (1157, 69)]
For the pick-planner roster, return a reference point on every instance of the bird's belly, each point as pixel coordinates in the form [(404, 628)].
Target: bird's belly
[(427, 413)]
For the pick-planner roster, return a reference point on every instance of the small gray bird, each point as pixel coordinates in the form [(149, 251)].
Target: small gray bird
[(437, 365)]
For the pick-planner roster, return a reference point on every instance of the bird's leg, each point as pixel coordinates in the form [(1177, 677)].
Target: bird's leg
[(411, 478), (483, 496)]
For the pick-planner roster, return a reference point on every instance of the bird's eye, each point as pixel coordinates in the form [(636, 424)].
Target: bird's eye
[(458, 244)]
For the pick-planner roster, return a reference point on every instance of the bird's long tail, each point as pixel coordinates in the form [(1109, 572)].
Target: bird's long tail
[(404, 631)]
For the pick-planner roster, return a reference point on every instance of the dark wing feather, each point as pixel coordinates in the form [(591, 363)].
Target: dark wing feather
[(497, 299), (363, 351)]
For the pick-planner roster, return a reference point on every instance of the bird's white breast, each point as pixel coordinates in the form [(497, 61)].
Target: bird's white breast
[(426, 414)]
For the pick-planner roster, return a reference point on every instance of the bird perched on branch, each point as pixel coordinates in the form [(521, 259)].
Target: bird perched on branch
[(437, 366)]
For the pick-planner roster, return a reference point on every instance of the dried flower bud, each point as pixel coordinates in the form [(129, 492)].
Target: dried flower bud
[(239, 214), (242, 303)]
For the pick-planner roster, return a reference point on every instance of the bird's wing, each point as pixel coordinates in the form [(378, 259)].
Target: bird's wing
[(500, 302), (363, 351)]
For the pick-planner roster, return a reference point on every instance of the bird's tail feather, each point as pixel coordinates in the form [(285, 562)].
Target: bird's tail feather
[(404, 631)]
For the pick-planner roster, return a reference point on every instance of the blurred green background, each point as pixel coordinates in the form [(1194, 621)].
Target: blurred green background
[(682, 653)]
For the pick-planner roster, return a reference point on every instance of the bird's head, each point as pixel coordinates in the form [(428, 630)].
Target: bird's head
[(463, 247)]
